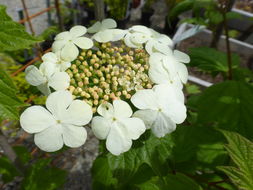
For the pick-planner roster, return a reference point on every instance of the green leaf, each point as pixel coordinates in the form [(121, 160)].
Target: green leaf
[(148, 150), (40, 176), (22, 153), (181, 182), (48, 32), (7, 170), (180, 8), (211, 60), (174, 182), (101, 175), (240, 150), (229, 106), (9, 103), (13, 35)]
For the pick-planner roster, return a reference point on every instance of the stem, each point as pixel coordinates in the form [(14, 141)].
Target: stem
[(9, 152), (58, 13), (99, 10), (229, 60)]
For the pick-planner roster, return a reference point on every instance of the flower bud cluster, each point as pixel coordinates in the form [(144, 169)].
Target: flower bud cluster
[(109, 73)]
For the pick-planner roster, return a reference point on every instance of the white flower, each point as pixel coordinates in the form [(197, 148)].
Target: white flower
[(56, 59), (161, 108), (159, 43), (137, 35), (105, 32), (47, 76), (66, 43), (60, 124), (169, 68), (116, 126)]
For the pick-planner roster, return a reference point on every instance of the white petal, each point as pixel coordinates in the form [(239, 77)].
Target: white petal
[(165, 40), (182, 57), (163, 48), (147, 116), (106, 110), (103, 36), (141, 29), (49, 57), (36, 119), (57, 103), (158, 74), (155, 58), (182, 72), (34, 76), (149, 47), (77, 31), (122, 109), (117, 142), (50, 139), (145, 99), (73, 136), (135, 127), (63, 36), (176, 111), (59, 81), (109, 23), (83, 42), (44, 88), (47, 68), (168, 92), (162, 125), (78, 113), (58, 45), (95, 27), (69, 52), (139, 38), (100, 127), (129, 43), (118, 34)]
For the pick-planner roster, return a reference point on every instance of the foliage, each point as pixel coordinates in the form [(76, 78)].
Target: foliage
[(114, 11), (41, 176), (9, 103), (13, 35), (240, 150), (233, 101), (203, 59)]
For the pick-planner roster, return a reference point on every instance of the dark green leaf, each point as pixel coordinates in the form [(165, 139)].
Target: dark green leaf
[(101, 175), (211, 60), (7, 170), (9, 103), (40, 176), (22, 153), (240, 150), (229, 105), (13, 35)]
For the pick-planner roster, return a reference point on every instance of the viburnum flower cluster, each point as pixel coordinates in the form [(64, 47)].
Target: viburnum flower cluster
[(99, 80)]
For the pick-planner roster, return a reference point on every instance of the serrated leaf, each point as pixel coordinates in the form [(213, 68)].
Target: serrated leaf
[(240, 150), (13, 35), (229, 106), (40, 176), (211, 60), (9, 103)]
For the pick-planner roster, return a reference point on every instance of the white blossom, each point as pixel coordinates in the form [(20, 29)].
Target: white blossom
[(59, 124), (169, 68), (47, 76), (117, 126), (161, 108), (56, 59), (105, 31), (159, 43), (66, 42)]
